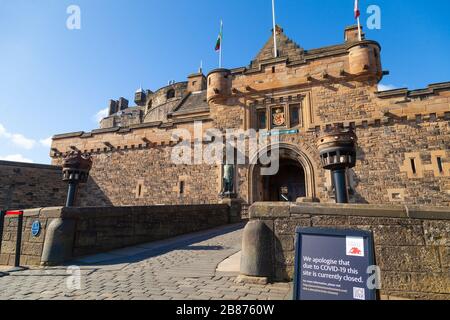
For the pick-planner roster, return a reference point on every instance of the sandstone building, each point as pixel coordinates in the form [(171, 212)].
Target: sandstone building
[(403, 135)]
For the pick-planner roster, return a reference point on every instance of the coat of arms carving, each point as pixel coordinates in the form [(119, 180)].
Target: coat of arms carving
[(279, 118)]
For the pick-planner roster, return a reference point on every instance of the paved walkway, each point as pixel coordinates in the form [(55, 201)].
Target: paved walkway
[(183, 268)]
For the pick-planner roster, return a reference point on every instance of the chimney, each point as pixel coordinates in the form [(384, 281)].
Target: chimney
[(123, 103), (351, 34), (112, 107)]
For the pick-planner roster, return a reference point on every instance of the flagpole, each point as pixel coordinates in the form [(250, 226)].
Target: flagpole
[(357, 16), (359, 30), (221, 44), (275, 49)]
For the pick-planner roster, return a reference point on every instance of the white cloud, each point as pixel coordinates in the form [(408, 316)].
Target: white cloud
[(21, 141), (16, 158), (2, 130), (46, 142), (386, 87), (17, 138), (100, 115)]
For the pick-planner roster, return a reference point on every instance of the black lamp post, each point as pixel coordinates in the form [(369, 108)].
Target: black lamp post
[(337, 150), (76, 169)]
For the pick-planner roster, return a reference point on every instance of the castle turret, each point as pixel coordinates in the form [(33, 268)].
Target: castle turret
[(140, 97), (364, 56), (219, 85)]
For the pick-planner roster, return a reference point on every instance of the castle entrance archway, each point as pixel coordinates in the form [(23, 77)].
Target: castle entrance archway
[(294, 179)]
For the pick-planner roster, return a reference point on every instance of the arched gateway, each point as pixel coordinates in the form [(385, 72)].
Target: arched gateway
[(294, 179)]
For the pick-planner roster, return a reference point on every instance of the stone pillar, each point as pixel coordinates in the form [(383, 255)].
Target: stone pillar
[(59, 240), (257, 253)]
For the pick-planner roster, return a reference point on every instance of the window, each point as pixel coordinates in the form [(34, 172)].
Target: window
[(396, 196), (439, 163), (273, 69), (170, 94), (278, 113), (181, 187), (262, 119), (413, 166), (294, 114)]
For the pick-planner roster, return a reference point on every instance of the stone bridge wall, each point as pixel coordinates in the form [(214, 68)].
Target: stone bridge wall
[(72, 232), (412, 244)]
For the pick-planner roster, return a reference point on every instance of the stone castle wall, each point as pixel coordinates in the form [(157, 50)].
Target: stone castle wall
[(30, 186), (148, 177), (403, 148), (136, 168), (383, 174)]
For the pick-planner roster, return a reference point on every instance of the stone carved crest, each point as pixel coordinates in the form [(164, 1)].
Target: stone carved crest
[(279, 118)]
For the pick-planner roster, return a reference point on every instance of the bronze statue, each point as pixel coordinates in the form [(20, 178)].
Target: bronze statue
[(228, 179)]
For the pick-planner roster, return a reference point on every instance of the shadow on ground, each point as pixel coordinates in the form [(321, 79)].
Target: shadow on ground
[(146, 251)]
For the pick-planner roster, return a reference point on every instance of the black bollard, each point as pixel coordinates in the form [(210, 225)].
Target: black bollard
[(2, 222)]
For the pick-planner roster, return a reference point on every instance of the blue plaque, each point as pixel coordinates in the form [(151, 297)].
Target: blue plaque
[(334, 265), (36, 228)]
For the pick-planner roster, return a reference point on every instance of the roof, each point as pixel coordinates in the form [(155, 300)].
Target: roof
[(194, 102), (285, 46)]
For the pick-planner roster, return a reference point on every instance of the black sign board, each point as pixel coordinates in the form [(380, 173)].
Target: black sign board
[(334, 265)]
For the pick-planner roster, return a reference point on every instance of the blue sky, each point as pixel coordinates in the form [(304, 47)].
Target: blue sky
[(55, 80)]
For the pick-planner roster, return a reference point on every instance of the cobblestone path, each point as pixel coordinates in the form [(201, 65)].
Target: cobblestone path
[(183, 268)]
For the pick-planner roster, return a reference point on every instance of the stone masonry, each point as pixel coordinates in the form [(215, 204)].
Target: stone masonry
[(403, 135), (411, 244), (182, 268), (30, 185), (74, 232)]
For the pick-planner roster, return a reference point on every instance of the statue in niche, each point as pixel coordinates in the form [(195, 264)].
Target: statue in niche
[(228, 180)]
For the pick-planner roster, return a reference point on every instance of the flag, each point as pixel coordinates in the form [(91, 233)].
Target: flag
[(357, 12), (219, 38)]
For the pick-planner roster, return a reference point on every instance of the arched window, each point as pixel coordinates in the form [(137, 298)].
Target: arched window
[(171, 94)]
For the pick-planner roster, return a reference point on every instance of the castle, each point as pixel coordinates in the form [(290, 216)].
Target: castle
[(403, 154)]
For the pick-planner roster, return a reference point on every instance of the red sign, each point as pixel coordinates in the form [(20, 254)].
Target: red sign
[(14, 213)]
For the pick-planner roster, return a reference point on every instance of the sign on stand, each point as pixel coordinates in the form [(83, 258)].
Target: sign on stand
[(334, 265)]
